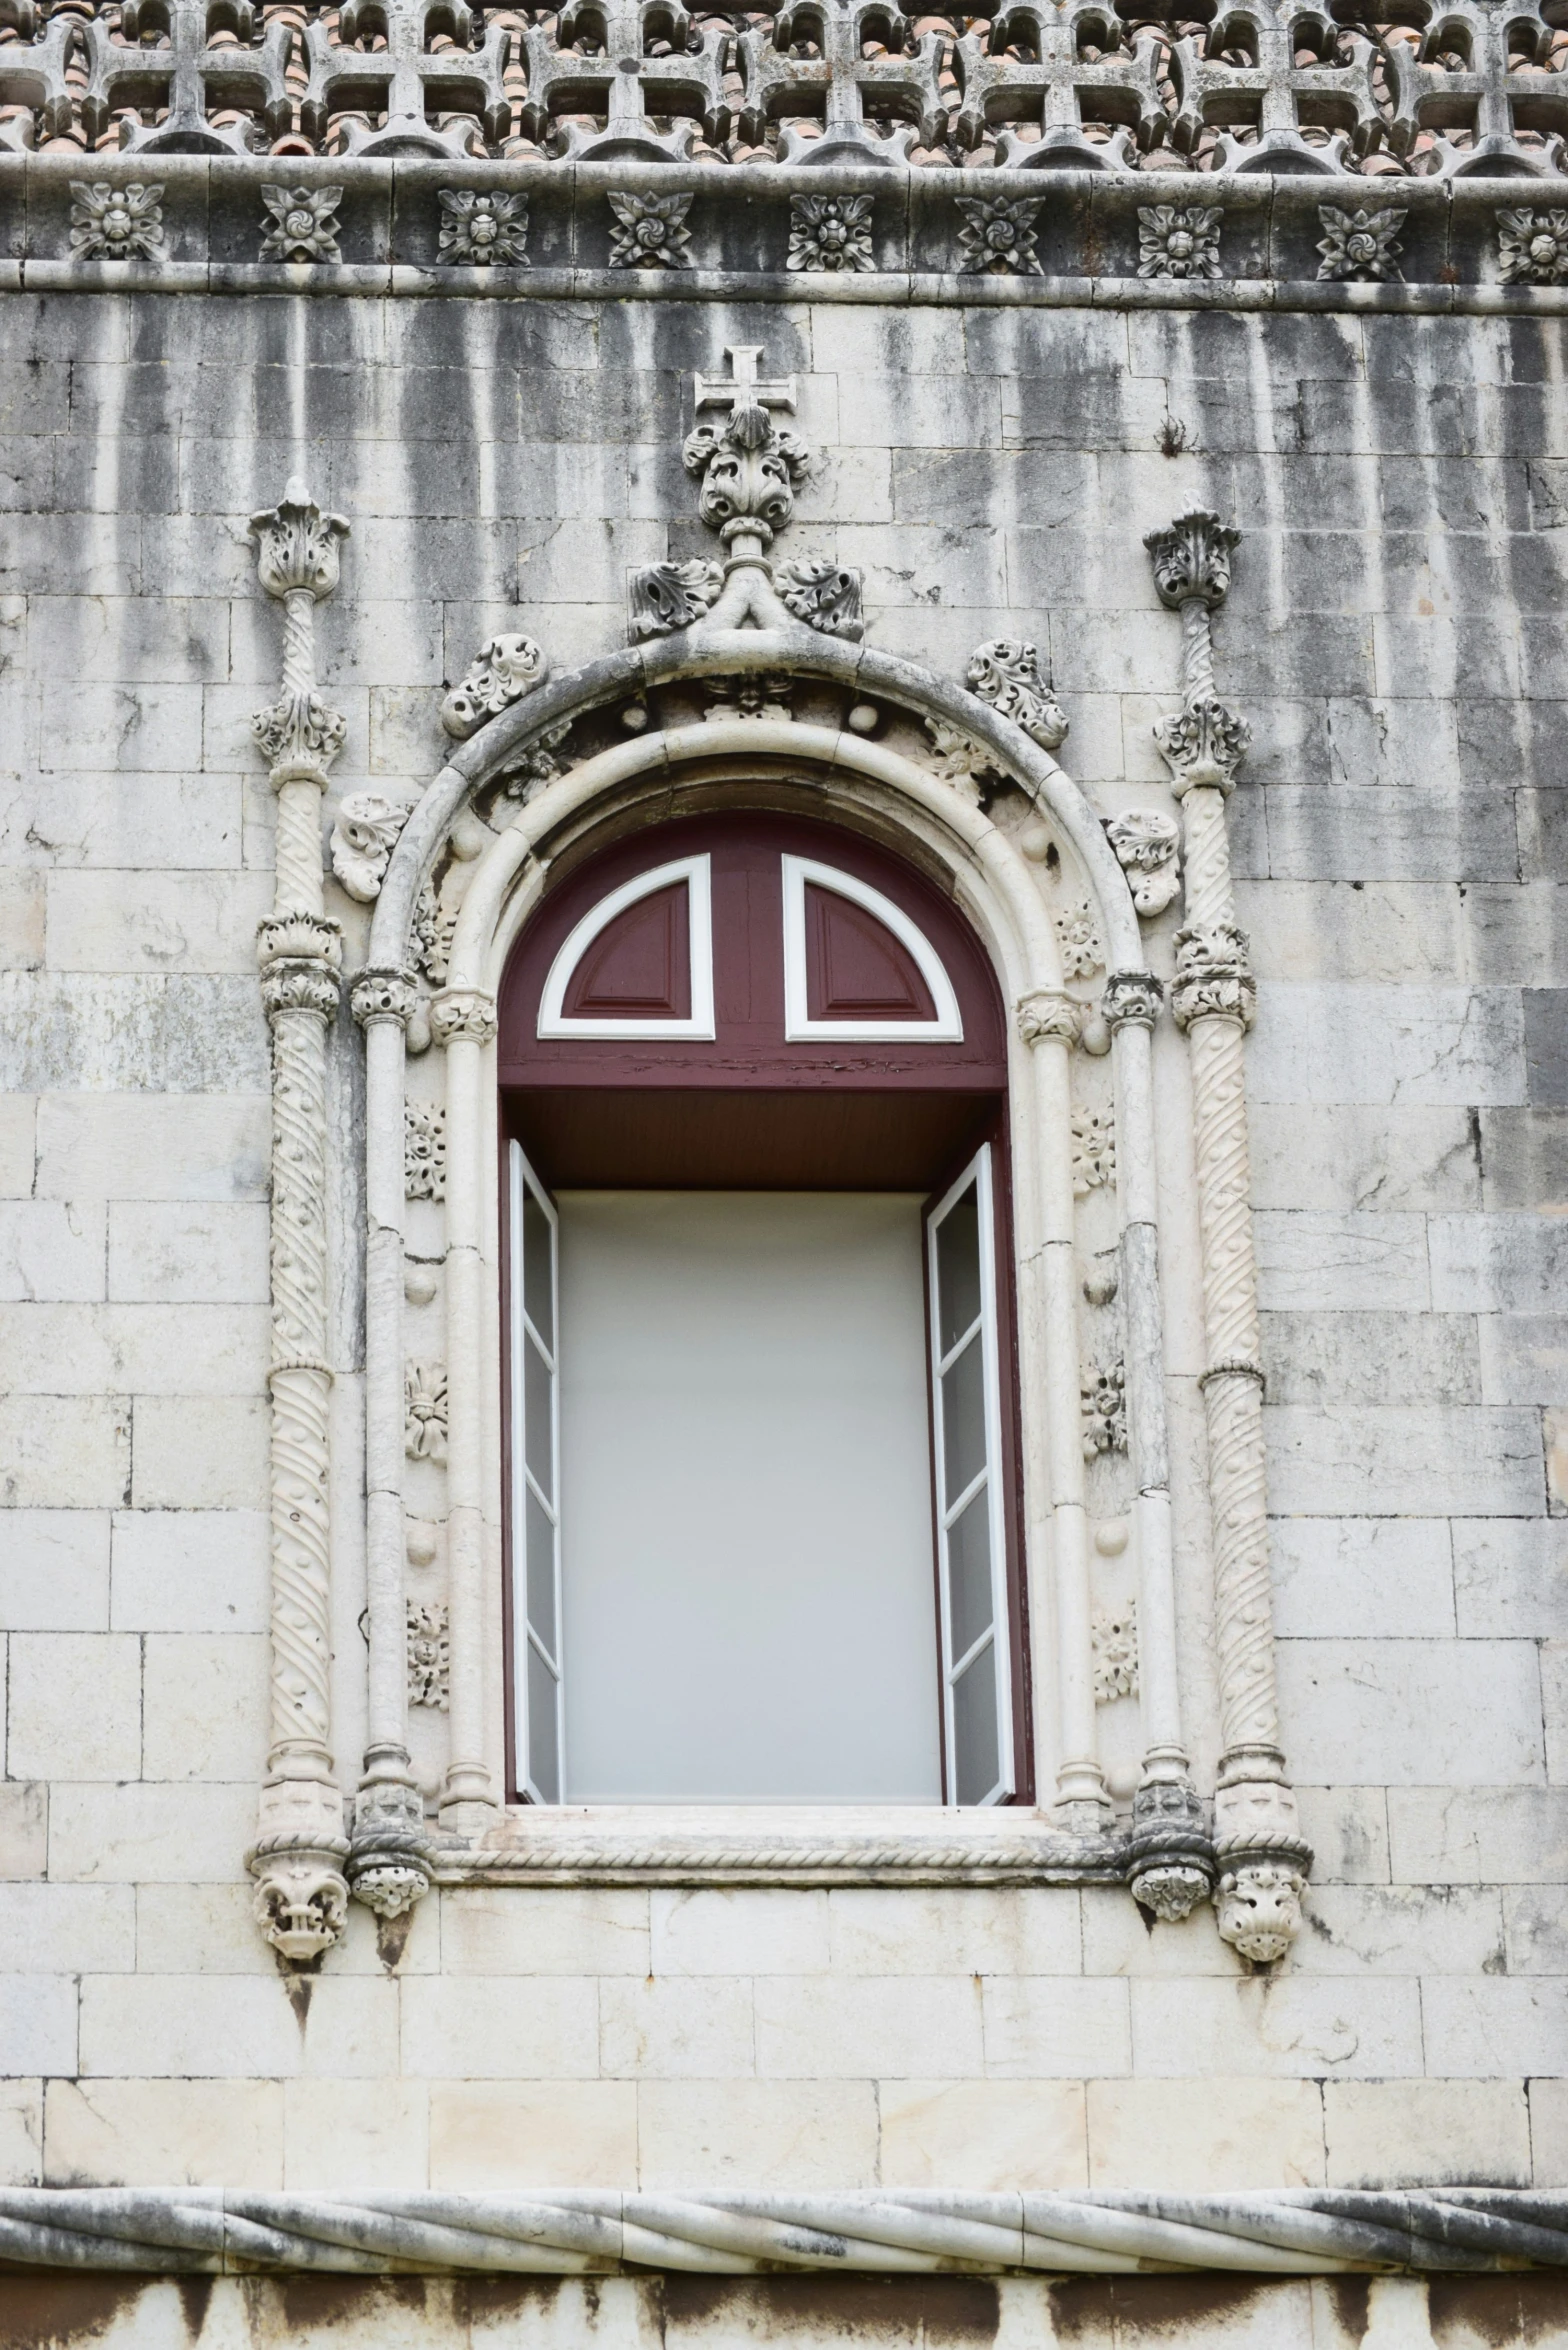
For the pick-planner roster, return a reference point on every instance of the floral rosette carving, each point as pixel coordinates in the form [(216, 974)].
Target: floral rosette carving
[(1176, 240), (828, 233), (1104, 1412), (651, 232), (479, 230), (425, 1413), (116, 224), (1359, 244), (1532, 248), (1094, 1151), (304, 224), (998, 239)]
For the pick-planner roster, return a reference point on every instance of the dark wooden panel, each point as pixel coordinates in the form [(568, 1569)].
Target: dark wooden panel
[(855, 968), (639, 966)]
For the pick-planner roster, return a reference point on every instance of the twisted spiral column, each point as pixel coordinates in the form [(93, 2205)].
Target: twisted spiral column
[(1258, 1843), (301, 1895)]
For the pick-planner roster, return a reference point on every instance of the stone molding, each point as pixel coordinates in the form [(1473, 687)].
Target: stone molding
[(1290, 2231), (1460, 241)]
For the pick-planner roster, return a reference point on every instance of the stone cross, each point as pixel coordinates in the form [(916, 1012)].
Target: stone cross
[(741, 388)]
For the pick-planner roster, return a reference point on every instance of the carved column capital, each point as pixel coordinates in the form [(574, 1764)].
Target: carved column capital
[(1203, 744), (1131, 999), (389, 1865), (383, 992), (301, 1900), (1213, 975), (1046, 1015), (299, 987), (1170, 1853), (1192, 559), (297, 545), (463, 1015), (299, 938)]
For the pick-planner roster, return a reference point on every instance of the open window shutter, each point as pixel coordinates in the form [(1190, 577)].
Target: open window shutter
[(536, 1482), (970, 1502)]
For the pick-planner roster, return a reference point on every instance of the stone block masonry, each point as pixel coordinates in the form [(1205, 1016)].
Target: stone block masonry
[(990, 452)]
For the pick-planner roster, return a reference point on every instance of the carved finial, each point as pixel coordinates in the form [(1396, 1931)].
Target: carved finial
[(1192, 559), (297, 545)]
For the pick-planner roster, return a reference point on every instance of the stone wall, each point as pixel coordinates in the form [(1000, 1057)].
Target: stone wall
[(1394, 635)]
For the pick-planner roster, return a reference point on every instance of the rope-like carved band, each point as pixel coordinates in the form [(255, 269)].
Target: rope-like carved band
[(1290, 2231)]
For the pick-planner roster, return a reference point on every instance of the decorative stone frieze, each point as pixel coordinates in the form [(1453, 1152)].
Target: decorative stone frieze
[(651, 232), (830, 233), (823, 594), (1006, 674), (300, 1844), (482, 230), (501, 673), (1115, 1636), (998, 239), (1255, 1812), (1360, 244), (424, 1150), (1179, 240), (429, 1655), (425, 1413), (1104, 1411), (304, 224), (116, 224), (431, 932), (1094, 1150), (1147, 842), (364, 834), (1532, 248)]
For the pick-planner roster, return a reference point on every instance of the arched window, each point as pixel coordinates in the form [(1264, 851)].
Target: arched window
[(762, 1483)]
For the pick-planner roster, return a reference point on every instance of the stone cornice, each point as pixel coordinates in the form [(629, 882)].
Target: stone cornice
[(1302, 2231)]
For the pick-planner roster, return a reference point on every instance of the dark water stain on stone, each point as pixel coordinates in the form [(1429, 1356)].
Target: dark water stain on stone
[(392, 1938), (41, 2308), (1089, 2307), (334, 2301), (942, 2309), (1498, 2310)]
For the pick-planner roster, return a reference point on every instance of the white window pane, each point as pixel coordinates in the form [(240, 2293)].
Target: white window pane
[(963, 1420), (958, 1268), (543, 1743), (975, 1766), (538, 1271), (746, 1525), (969, 1573), (540, 1539), (537, 1433)]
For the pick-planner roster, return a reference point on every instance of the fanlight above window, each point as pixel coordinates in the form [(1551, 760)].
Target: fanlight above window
[(640, 962), (856, 967)]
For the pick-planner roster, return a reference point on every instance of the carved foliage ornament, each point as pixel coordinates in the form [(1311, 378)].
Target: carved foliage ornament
[(667, 596), (1006, 674), (1213, 975), (1532, 248), (830, 233), (364, 835), (1094, 1150), (301, 1905), (424, 1413), (304, 225), (429, 1655), (502, 671), (961, 761), (432, 931), (1104, 1412), (1359, 244), (1203, 744), (1145, 841), (1177, 240), (1192, 559), (1115, 1639), (998, 239), (116, 224), (478, 231), (1258, 1910), (300, 730), (748, 470), (1081, 955), (297, 546), (1131, 997), (824, 595), (424, 1151), (651, 232)]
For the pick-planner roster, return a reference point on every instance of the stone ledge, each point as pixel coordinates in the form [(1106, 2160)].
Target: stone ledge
[(1281, 2232), (528, 1849), (1086, 237)]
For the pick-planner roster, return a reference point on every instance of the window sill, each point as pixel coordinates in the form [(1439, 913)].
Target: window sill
[(636, 1844)]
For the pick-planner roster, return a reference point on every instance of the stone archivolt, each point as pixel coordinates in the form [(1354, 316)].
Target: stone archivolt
[(1265, 87)]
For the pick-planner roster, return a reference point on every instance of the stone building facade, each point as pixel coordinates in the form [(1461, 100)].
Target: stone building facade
[(1114, 470)]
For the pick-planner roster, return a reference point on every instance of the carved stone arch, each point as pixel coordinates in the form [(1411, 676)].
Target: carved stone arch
[(829, 757)]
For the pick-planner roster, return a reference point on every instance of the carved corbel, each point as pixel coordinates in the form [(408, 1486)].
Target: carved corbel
[(1146, 842), (1006, 675), (363, 837), (503, 670)]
